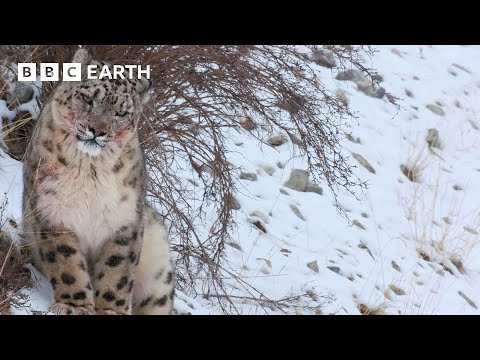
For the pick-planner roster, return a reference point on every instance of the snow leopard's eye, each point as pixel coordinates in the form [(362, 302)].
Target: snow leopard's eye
[(121, 113), (87, 99)]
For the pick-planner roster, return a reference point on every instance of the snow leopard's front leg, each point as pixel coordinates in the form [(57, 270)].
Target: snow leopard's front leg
[(114, 271), (58, 256)]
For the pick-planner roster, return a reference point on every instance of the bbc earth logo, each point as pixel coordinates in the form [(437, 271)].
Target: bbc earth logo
[(73, 72)]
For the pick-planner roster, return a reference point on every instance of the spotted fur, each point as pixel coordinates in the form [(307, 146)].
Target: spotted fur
[(84, 206)]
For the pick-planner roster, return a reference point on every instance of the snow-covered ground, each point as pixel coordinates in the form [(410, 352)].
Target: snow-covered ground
[(412, 246)]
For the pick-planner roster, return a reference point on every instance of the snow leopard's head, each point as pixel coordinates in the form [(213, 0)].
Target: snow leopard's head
[(99, 112)]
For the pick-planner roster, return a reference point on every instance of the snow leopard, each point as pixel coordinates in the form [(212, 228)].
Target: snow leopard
[(103, 248)]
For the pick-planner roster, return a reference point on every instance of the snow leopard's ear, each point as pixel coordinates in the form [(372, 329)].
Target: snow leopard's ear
[(83, 57), (144, 89)]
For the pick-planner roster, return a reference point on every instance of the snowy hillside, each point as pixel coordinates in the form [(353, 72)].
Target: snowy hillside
[(412, 245)]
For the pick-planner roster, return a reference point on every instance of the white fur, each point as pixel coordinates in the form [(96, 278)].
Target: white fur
[(90, 149), (92, 209), (155, 256)]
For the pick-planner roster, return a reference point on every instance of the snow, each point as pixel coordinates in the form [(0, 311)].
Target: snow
[(402, 261)]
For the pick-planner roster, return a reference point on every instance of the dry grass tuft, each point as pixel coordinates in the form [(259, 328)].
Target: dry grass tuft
[(14, 276), (365, 310)]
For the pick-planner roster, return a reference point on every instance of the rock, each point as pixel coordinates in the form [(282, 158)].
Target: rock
[(342, 96), (396, 290), (358, 224), (311, 187), (285, 251), (457, 187), (468, 300), (470, 230), (365, 247), (362, 161), (323, 58), (395, 266), (280, 165), (247, 123), (258, 224), (372, 90), (235, 245), (235, 205), (23, 93), (259, 214), (473, 124), (314, 266), (284, 192), (462, 68), (268, 169), (396, 52), (355, 140), (297, 212), (432, 139), (298, 180), (409, 93), (364, 84), (276, 140), (267, 262), (352, 75), (335, 269), (248, 176), (447, 220), (437, 110), (412, 174)]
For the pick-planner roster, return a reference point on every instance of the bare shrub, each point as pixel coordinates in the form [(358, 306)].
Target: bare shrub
[(14, 276), (201, 91)]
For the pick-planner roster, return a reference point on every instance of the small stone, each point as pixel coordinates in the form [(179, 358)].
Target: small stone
[(311, 187), (280, 165), (457, 187), (335, 269), (462, 68), (358, 224), (314, 266), (362, 161), (259, 215), (286, 251), (396, 290), (372, 91), (470, 230), (323, 58), (247, 123), (298, 180), (267, 262), (284, 192), (23, 93), (235, 205), (355, 140), (248, 176), (468, 300), (258, 224), (235, 246), (473, 124), (268, 169), (276, 140), (409, 93), (437, 110), (297, 212), (447, 220), (432, 139), (395, 266)]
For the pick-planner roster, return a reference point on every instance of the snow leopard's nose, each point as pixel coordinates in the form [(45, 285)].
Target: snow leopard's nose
[(94, 134)]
